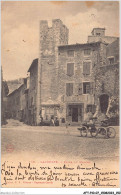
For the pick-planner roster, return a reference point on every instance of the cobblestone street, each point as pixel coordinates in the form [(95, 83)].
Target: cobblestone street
[(55, 142)]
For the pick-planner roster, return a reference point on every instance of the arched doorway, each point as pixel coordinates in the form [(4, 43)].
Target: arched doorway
[(104, 100)]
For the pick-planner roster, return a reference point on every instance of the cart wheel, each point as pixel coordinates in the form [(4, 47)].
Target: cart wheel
[(111, 133), (93, 132), (83, 131)]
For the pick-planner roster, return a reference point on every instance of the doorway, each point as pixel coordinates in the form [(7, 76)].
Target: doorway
[(75, 114), (104, 100)]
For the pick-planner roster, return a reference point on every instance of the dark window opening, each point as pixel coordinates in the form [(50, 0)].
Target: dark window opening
[(111, 60), (98, 34), (86, 88)]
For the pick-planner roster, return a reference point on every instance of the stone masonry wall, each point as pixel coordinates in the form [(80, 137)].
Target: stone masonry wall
[(50, 38), (106, 39), (32, 96), (78, 76), (107, 76)]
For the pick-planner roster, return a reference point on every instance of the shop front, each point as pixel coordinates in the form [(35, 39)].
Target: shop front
[(75, 113)]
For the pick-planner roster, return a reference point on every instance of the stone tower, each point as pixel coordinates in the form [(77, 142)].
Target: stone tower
[(50, 39)]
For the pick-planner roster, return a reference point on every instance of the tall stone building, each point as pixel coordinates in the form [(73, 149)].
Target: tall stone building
[(50, 39), (67, 81), (68, 76)]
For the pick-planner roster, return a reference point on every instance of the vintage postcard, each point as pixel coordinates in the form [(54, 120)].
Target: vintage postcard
[(60, 94)]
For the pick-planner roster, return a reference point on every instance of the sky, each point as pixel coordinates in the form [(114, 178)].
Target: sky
[(20, 27)]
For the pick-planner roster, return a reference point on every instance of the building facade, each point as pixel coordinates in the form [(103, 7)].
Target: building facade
[(68, 81), (76, 79), (72, 84), (4, 93), (32, 92), (107, 82), (16, 103), (67, 74), (98, 34), (47, 89)]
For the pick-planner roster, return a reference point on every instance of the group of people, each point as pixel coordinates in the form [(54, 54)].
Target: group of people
[(90, 119), (53, 121)]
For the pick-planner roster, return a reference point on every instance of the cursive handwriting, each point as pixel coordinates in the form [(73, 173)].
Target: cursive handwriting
[(66, 175)]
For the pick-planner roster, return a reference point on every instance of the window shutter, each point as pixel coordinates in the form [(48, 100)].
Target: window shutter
[(80, 89), (92, 88), (86, 68), (69, 89), (88, 88), (70, 69)]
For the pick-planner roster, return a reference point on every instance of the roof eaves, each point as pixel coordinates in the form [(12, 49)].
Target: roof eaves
[(33, 62)]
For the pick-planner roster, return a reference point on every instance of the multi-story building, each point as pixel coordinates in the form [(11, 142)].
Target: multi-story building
[(16, 103), (67, 74), (98, 34), (32, 92), (67, 81), (76, 79)]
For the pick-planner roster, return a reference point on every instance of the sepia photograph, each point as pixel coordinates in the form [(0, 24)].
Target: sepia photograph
[(60, 94)]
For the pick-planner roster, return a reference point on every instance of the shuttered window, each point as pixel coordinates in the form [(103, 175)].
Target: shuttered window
[(86, 68), (70, 69), (86, 88), (69, 89), (92, 88)]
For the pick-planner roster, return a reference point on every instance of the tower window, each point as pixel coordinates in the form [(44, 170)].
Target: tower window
[(98, 34), (111, 60)]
